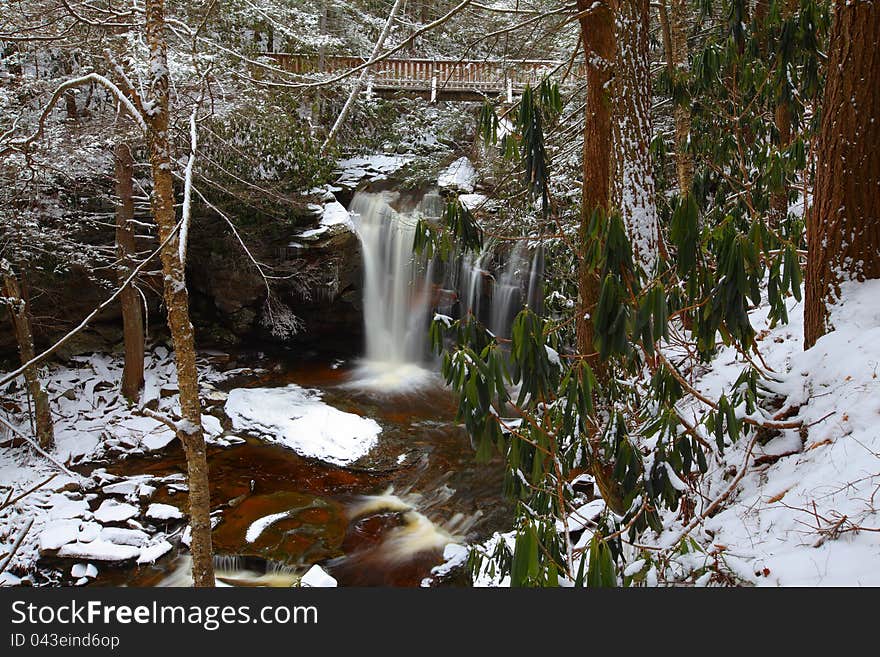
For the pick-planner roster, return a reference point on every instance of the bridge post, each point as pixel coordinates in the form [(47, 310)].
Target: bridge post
[(434, 87), (509, 82)]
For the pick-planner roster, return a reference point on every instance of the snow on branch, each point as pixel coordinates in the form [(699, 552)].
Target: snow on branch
[(187, 187), (124, 101)]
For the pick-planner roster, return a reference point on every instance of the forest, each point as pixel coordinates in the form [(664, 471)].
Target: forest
[(398, 293)]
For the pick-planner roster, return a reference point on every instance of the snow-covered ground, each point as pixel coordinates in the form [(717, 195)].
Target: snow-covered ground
[(806, 511), (811, 517)]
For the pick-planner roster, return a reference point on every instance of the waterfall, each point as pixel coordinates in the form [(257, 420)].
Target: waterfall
[(397, 291), (403, 290)]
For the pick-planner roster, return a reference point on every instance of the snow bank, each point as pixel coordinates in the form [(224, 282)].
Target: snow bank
[(297, 418), (794, 521)]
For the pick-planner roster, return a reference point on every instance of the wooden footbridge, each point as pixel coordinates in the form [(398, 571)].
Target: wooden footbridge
[(436, 79)]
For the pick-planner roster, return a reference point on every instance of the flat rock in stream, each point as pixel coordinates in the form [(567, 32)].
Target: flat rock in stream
[(99, 550)]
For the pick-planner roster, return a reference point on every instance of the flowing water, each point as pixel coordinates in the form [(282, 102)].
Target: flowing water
[(387, 520), (383, 522)]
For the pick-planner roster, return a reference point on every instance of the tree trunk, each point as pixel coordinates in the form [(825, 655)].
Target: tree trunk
[(132, 311), (21, 322), (632, 180), (189, 430), (597, 35), (843, 225)]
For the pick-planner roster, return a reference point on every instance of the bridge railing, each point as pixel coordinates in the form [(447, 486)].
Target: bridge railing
[(427, 74)]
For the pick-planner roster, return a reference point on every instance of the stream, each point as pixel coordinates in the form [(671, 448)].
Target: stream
[(382, 521)]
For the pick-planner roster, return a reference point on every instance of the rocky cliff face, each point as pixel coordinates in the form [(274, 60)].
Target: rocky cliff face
[(313, 267), (314, 278)]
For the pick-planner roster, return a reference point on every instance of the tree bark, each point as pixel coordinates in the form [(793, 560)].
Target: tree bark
[(632, 180), (843, 225), (132, 311), (189, 430), (678, 27), (597, 35), (21, 322)]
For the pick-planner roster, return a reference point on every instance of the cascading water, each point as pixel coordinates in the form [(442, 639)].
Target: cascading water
[(397, 291), (401, 290)]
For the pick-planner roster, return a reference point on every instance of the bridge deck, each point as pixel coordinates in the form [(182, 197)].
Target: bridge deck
[(428, 75)]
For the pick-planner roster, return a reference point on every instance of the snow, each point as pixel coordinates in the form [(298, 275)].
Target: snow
[(122, 536), (58, 533), (335, 214), (99, 550), (458, 176), (794, 522), (259, 526), (163, 512), (317, 577), (374, 167), (113, 511), (297, 418), (150, 553), (61, 506), (474, 201), (84, 570), (8, 579)]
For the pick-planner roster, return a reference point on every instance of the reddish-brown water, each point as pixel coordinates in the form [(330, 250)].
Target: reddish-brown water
[(387, 542)]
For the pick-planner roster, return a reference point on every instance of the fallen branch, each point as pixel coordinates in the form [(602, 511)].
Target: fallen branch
[(40, 450), (17, 544), (10, 502)]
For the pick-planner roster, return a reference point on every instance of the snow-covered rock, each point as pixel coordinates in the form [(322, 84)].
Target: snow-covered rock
[(99, 550), (150, 553), (122, 536), (163, 512), (58, 533), (317, 577), (459, 176), (61, 507), (297, 418), (113, 511), (84, 570)]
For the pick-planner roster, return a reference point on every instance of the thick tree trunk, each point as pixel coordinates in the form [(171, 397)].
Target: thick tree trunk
[(843, 225), (132, 312), (597, 35), (189, 430), (632, 180), (21, 322)]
